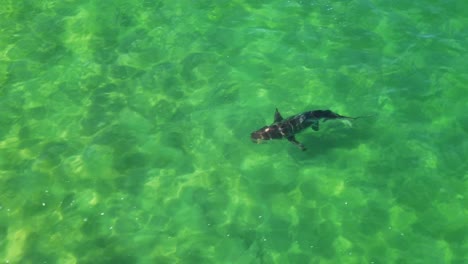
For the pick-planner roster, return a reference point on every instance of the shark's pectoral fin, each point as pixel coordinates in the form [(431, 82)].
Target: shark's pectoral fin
[(278, 116), (315, 125), (293, 140)]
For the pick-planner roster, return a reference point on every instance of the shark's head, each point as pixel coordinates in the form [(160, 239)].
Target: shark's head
[(259, 135), (256, 136)]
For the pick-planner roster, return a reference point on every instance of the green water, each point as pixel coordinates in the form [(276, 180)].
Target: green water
[(124, 131)]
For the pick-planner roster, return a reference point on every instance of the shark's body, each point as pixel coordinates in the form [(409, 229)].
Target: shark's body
[(289, 127)]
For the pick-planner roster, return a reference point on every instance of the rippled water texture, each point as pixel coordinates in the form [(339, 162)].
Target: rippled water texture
[(124, 131)]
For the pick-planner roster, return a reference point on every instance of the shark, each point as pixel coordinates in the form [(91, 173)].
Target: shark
[(287, 128)]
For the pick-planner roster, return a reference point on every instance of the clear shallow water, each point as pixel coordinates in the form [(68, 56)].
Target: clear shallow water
[(125, 132)]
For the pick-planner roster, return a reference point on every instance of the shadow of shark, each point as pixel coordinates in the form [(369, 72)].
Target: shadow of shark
[(289, 127)]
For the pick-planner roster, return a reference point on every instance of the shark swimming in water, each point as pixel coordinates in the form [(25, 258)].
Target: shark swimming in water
[(289, 127)]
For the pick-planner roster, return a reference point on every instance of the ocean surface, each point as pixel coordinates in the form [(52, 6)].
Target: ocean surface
[(125, 131)]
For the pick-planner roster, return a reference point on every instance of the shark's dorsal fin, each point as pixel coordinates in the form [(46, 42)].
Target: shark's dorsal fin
[(278, 116)]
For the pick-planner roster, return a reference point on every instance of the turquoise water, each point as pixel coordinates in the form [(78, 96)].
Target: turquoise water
[(124, 132)]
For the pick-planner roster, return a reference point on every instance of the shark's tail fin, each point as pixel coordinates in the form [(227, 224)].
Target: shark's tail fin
[(347, 120), (359, 117)]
